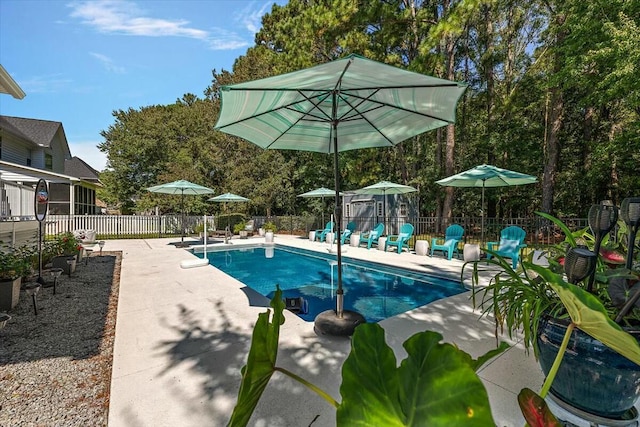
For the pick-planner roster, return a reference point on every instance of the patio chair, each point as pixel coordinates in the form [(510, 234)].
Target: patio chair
[(452, 235), (510, 245), (347, 232), (371, 237), (321, 234), (401, 240)]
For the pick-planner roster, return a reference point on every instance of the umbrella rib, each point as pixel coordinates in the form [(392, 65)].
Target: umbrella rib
[(386, 104)]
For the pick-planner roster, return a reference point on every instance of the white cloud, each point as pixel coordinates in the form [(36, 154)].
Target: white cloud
[(107, 63), (251, 18), (46, 84), (119, 17)]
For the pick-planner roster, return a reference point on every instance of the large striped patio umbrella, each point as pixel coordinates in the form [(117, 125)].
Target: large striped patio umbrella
[(346, 104)]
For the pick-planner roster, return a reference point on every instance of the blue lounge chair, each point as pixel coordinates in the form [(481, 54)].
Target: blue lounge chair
[(372, 236), (322, 233), (452, 235), (511, 242), (401, 240), (347, 232)]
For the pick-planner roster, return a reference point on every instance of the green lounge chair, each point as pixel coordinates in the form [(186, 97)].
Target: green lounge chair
[(347, 232), (322, 233), (510, 245), (372, 236), (401, 240), (452, 235)]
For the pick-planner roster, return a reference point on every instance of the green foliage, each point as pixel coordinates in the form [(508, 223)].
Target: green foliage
[(65, 244), (230, 220), (240, 226), (270, 226), (514, 55), (15, 262), (435, 385)]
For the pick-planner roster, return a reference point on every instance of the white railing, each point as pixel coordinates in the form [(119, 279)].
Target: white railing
[(16, 201)]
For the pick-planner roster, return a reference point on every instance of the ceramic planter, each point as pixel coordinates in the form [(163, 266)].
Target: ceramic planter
[(592, 377), (61, 262), (9, 293)]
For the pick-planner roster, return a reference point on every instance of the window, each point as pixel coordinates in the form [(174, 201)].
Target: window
[(48, 162), (28, 161), (380, 209), (347, 210), (403, 209)]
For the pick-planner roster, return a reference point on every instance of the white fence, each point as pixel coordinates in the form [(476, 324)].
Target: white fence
[(113, 226)]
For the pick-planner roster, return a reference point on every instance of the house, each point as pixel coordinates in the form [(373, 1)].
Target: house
[(32, 149), (367, 210)]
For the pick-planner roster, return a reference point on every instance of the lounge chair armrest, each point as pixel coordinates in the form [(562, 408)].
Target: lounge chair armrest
[(490, 245)]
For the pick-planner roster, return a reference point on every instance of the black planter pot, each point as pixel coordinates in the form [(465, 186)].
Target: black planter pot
[(592, 377)]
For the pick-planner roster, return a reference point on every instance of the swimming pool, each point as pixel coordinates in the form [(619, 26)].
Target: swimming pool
[(373, 290)]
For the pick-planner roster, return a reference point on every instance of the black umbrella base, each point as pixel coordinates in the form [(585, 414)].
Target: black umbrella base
[(327, 323)]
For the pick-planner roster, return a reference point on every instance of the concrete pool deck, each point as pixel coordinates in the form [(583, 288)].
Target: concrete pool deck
[(182, 336)]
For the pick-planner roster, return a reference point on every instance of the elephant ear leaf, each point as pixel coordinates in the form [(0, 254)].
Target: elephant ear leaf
[(261, 362), (435, 385), (589, 315), (535, 410)]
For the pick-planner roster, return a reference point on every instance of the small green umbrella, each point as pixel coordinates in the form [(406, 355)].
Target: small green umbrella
[(224, 198), (486, 176), (322, 193), (385, 188), (181, 187), (346, 104)]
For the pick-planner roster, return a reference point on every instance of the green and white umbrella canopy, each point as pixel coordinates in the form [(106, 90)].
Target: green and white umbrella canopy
[(342, 105), (319, 192), (376, 105), (224, 198), (228, 197), (385, 188), (486, 176), (181, 187), (322, 193)]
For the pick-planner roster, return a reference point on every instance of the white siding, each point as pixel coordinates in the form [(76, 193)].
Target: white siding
[(14, 151)]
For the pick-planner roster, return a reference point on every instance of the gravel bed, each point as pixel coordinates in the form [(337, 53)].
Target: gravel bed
[(55, 368)]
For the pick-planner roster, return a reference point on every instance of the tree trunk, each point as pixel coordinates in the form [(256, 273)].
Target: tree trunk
[(449, 169)]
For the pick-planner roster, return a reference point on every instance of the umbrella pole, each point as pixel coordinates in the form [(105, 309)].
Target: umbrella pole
[(182, 225), (338, 215), (482, 218)]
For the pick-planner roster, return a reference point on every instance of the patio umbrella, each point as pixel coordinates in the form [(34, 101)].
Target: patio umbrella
[(181, 187), (224, 198), (384, 188), (342, 105), (320, 192), (486, 176)]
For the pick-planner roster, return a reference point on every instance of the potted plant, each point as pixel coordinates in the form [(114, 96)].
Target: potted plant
[(269, 230), (66, 246), (240, 228), (575, 302), (13, 266)]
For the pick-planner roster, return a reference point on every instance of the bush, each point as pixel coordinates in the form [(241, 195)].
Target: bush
[(270, 226)]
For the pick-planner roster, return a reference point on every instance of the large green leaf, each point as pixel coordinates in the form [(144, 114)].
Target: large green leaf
[(261, 362), (535, 410), (435, 385), (588, 314)]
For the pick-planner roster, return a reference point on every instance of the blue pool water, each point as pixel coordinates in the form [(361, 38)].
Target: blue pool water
[(373, 290)]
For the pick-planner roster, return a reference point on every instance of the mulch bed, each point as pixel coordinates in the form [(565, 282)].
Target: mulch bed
[(55, 367)]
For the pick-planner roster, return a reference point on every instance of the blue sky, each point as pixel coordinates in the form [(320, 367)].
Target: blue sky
[(78, 61)]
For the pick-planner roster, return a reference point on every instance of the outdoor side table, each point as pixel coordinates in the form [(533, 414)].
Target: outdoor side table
[(382, 241), (422, 247), (354, 240), (471, 252), (312, 236), (329, 237)]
